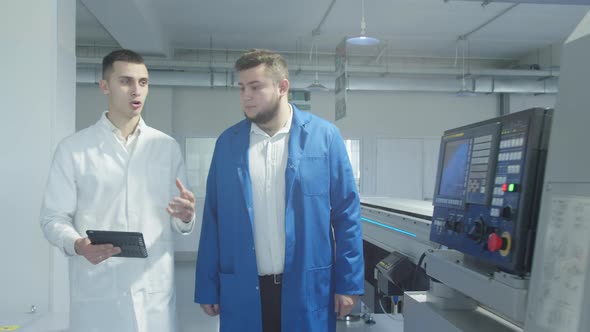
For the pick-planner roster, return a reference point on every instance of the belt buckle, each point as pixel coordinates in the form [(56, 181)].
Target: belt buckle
[(277, 278)]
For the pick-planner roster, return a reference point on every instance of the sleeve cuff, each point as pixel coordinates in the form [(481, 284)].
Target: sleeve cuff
[(69, 248), (184, 227)]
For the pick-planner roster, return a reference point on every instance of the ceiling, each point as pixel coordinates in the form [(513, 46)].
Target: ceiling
[(406, 28), (483, 46)]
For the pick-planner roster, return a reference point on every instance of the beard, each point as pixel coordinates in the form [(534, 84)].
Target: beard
[(266, 115)]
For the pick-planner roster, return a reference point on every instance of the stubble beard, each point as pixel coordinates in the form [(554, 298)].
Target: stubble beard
[(266, 115)]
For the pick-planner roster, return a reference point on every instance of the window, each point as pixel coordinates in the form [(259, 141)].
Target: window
[(353, 147), (198, 155)]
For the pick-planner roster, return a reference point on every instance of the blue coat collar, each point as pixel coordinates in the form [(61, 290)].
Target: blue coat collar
[(297, 136), (240, 143)]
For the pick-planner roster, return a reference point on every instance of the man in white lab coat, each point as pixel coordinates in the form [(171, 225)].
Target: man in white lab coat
[(122, 175)]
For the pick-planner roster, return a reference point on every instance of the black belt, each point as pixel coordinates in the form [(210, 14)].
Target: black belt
[(276, 279)]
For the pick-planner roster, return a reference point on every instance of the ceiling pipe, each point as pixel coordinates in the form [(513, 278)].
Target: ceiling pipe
[(374, 70), (222, 79)]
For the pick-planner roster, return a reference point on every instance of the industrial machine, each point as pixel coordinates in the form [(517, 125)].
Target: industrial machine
[(486, 206), (506, 245), (488, 188), (395, 237), (476, 240), (519, 248)]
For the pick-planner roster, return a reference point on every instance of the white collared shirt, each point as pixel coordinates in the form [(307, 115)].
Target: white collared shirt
[(129, 142), (267, 162)]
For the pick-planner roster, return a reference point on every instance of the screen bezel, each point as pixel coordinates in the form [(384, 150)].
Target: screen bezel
[(446, 157), (468, 133)]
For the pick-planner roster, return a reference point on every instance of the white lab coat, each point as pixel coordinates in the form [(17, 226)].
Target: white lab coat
[(94, 184)]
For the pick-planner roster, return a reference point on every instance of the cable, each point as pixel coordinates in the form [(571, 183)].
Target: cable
[(416, 270), (388, 314), (381, 305)]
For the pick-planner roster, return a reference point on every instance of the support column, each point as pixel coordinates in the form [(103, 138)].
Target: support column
[(37, 91)]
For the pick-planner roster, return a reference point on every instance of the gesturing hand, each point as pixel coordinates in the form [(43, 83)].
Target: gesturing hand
[(183, 206)]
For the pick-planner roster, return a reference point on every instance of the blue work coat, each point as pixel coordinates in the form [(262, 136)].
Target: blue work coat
[(323, 244)]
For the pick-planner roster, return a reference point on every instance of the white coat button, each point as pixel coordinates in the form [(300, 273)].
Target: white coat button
[(257, 288)]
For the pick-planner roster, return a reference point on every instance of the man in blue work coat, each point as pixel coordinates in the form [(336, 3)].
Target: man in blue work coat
[(281, 243)]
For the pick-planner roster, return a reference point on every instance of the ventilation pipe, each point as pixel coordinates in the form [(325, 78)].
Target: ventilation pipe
[(225, 79)]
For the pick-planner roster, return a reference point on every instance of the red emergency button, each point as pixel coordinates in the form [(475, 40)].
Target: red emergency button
[(495, 242)]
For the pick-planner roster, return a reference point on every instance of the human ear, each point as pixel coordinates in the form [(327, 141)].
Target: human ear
[(104, 86), (284, 86)]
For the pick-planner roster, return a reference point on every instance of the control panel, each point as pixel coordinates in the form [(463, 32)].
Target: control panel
[(488, 188)]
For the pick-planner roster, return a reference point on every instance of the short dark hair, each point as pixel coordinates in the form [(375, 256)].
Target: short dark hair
[(275, 63), (119, 55)]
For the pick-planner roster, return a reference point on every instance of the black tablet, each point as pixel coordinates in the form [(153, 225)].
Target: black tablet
[(131, 243)]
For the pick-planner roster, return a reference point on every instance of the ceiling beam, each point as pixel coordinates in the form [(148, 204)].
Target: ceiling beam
[(481, 26), (133, 24), (317, 30)]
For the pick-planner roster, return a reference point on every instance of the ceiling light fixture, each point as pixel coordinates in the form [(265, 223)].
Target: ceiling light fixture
[(464, 91), (362, 39), (316, 85)]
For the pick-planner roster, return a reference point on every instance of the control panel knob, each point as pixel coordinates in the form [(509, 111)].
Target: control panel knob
[(458, 228), (495, 242), (449, 224), (476, 231), (507, 212)]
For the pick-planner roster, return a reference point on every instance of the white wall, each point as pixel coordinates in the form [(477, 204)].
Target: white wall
[(374, 117), (37, 92), (523, 102), (91, 103), (391, 125), (206, 112)]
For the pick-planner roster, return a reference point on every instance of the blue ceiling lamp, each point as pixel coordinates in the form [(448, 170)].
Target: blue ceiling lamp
[(362, 39)]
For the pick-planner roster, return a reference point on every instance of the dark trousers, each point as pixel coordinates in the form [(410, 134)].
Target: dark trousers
[(270, 297)]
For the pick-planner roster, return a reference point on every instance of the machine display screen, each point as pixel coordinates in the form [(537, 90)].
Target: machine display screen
[(488, 188), (454, 168)]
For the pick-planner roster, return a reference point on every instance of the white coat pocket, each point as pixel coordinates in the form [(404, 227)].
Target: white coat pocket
[(91, 282)]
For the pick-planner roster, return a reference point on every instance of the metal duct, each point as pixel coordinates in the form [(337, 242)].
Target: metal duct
[(495, 85), (301, 80), (399, 69)]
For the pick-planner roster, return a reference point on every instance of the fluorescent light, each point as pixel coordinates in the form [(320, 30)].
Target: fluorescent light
[(362, 41), (316, 85)]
